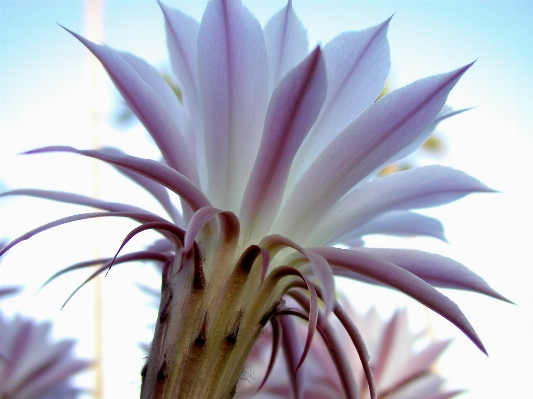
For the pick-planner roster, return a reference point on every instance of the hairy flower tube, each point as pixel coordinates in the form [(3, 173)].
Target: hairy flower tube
[(274, 152)]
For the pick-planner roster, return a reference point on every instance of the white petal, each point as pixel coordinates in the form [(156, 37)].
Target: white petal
[(292, 111), (175, 110), (445, 113), (436, 270), (390, 274), (417, 365), (182, 37), (286, 43), (399, 223), (395, 350), (417, 188), (383, 130), (152, 101), (233, 78), (357, 64)]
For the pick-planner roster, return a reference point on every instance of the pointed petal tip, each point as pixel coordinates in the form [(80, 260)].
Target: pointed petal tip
[(502, 298), (52, 148), (473, 337), (76, 35), (164, 8), (488, 190), (460, 71), (383, 26), (387, 21), (455, 74)]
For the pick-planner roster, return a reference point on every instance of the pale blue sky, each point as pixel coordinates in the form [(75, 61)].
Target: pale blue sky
[(43, 101)]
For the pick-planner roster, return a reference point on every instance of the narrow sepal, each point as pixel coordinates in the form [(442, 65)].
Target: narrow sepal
[(152, 101), (381, 131), (394, 276), (292, 111), (435, 269), (151, 169)]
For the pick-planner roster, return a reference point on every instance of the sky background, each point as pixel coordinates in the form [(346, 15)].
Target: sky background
[(47, 96)]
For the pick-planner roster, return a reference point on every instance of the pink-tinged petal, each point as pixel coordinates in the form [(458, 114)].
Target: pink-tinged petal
[(200, 218), (286, 44), (49, 375), (383, 130), (385, 354), (320, 266), (338, 355), (151, 169), (184, 135), (230, 225), (359, 344), (8, 291), (155, 189), (353, 243), (138, 216), (425, 387), (310, 304), (152, 101), (77, 199), (398, 223), (131, 257), (292, 111), (419, 364), (20, 341), (32, 366), (290, 342), (161, 245), (423, 187), (104, 268), (334, 345), (357, 65), (395, 351), (436, 270), (276, 338), (394, 276), (161, 227), (233, 79), (445, 113), (446, 395), (165, 228), (182, 38)]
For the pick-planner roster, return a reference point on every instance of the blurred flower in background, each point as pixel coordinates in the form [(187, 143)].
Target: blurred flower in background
[(402, 363), (31, 365)]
